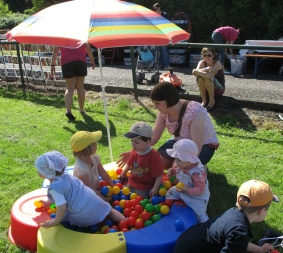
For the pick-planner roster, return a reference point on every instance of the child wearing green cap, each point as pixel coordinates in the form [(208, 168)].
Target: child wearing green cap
[(88, 167)]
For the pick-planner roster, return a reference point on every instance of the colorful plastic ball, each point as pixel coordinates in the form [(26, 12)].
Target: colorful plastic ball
[(139, 224), (180, 185), (148, 223), (52, 210), (128, 204), (118, 208), (179, 225), (167, 184), (149, 207), (156, 208), (104, 190), (127, 212), (145, 215), (102, 183), (134, 214), (162, 191), (115, 197), (154, 200), (115, 227), (103, 228), (172, 179), (123, 224), (155, 218), (161, 199), (119, 185), (126, 191), (122, 203), (38, 204), (53, 215), (116, 189), (128, 173), (135, 202), (139, 198), (138, 208), (125, 230), (106, 231), (53, 206), (133, 195), (169, 202), (108, 222), (110, 193), (131, 221), (124, 197), (112, 230), (119, 171), (164, 209)]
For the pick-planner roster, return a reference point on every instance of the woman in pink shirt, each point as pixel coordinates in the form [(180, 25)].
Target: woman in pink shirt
[(74, 70)]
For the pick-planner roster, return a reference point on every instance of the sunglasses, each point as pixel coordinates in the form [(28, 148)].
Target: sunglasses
[(207, 55)]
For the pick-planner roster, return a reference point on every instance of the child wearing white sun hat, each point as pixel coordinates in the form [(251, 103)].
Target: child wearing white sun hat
[(75, 202), (194, 191)]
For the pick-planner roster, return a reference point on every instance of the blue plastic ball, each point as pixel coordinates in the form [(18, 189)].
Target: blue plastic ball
[(104, 190), (108, 222), (155, 200), (113, 230), (119, 209), (53, 215), (179, 225)]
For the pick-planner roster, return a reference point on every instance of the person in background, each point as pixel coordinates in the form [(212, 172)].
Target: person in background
[(75, 203), (144, 162), (210, 77), (164, 50), (192, 185), (225, 35), (231, 231), (74, 70), (88, 167)]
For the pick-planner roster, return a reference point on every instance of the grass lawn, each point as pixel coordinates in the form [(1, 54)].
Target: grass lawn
[(33, 123)]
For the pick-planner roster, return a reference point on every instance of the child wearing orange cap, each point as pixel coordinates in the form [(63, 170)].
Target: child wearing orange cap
[(88, 167), (231, 231)]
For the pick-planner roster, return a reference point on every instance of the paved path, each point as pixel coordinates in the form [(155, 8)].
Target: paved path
[(264, 89)]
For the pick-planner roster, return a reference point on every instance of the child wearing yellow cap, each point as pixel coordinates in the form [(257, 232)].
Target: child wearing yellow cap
[(231, 231), (88, 167)]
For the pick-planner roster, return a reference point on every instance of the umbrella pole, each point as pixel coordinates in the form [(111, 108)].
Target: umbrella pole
[(105, 104)]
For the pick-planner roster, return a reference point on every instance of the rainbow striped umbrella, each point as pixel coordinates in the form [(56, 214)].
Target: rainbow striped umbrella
[(102, 23)]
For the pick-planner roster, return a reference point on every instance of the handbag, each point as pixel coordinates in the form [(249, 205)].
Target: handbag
[(181, 114)]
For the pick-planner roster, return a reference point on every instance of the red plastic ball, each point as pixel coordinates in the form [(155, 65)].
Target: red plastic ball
[(139, 208), (119, 171), (127, 212), (128, 204), (134, 214), (123, 224), (116, 203), (145, 215), (102, 183), (119, 185), (131, 221), (139, 224), (125, 230), (169, 202), (135, 202)]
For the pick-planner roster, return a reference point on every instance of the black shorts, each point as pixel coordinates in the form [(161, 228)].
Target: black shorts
[(74, 68)]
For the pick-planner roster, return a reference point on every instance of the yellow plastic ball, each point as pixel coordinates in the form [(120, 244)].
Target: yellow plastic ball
[(122, 203), (110, 192), (103, 228), (133, 195), (115, 189), (128, 173), (162, 191), (113, 174), (126, 191), (180, 185), (164, 209), (38, 204), (167, 184)]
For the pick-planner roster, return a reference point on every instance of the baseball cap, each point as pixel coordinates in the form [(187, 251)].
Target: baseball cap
[(50, 162), (139, 129), (81, 139), (258, 192), (185, 150)]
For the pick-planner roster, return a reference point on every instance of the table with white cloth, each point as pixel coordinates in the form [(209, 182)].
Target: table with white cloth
[(261, 54)]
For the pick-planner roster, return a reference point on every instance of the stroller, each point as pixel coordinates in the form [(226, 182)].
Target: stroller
[(148, 57)]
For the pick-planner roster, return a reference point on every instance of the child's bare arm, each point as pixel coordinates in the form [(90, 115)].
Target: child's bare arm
[(58, 217), (154, 190), (105, 176)]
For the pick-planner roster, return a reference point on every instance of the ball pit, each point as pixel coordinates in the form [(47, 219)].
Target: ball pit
[(151, 224)]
